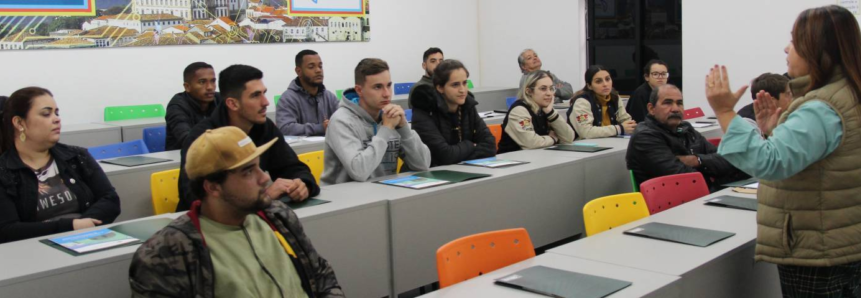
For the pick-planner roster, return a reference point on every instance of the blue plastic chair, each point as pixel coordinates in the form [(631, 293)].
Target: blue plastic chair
[(510, 101), (155, 138), (119, 150), (409, 114), (403, 88)]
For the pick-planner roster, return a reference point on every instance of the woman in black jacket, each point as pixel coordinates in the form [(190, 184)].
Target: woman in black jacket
[(450, 125), (47, 187)]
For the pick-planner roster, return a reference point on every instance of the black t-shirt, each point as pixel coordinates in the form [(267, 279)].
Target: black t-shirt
[(55, 199)]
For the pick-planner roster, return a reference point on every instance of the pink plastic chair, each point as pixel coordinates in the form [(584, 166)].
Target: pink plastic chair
[(666, 192), (694, 113)]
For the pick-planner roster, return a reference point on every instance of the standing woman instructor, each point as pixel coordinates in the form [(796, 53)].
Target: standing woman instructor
[(809, 216)]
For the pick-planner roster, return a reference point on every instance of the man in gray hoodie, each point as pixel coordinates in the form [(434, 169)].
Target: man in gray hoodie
[(306, 107), (368, 133)]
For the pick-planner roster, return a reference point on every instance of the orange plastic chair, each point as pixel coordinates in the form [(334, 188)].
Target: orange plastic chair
[(165, 191), (715, 141), (666, 192), (314, 161), (605, 213), (496, 130), (694, 113), (477, 254)]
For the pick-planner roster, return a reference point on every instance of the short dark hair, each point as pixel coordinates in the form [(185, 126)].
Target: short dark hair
[(191, 69), (301, 56), (231, 80), (774, 84), (429, 52), (369, 67), (443, 71), (653, 97), (197, 189), (648, 68), (18, 104)]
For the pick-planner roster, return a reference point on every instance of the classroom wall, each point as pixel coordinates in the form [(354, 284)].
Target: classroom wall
[(746, 36), (85, 81), (551, 27)]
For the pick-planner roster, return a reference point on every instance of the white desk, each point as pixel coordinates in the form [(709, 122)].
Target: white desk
[(488, 98), (723, 269), (133, 184), (643, 283), (305, 144), (133, 129), (90, 134)]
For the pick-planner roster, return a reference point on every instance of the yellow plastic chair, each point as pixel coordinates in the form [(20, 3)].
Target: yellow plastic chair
[(605, 213), (315, 161), (165, 191), (400, 164)]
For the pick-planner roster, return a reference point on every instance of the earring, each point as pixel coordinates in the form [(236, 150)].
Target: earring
[(23, 136)]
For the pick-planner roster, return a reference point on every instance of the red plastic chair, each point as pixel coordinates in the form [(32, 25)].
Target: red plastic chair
[(694, 113), (666, 192), (715, 141), (474, 255)]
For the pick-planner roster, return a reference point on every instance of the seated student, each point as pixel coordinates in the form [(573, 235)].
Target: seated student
[(777, 86), (306, 107), (236, 241), (596, 111), (369, 133), (450, 125), (245, 107), (47, 187), (431, 58), (529, 62), (533, 121), (186, 109), (656, 75), (666, 145)]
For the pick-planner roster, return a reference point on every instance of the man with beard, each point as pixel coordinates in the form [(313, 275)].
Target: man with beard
[(236, 241), (305, 108), (431, 58), (664, 144), (245, 106)]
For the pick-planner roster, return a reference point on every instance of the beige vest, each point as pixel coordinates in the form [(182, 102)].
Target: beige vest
[(814, 217)]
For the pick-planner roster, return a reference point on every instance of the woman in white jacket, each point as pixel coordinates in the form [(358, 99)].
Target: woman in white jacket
[(596, 111)]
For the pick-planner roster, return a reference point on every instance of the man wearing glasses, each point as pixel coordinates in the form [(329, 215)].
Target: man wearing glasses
[(656, 75), (529, 62)]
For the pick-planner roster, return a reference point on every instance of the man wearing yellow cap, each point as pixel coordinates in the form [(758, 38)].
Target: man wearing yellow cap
[(235, 241)]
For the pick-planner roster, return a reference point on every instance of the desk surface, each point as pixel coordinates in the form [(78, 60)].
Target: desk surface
[(644, 283), (174, 162)]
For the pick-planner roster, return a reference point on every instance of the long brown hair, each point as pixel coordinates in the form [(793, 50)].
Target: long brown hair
[(18, 104), (826, 38)]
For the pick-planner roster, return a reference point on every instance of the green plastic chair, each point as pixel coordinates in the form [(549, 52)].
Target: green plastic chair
[(339, 93), (634, 185), (277, 97), (469, 84), (118, 113)]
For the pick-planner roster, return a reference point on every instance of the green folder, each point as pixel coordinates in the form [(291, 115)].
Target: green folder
[(578, 148), (733, 202), (142, 229), (741, 183), (679, 234), (451, 176), (309, 202), (560, 283)]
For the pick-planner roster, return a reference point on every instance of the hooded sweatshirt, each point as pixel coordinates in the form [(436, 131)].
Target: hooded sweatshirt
[(358, 148), (300, 114)]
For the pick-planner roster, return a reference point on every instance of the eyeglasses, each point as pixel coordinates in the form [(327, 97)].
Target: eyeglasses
[(545, 89), (660, 75)]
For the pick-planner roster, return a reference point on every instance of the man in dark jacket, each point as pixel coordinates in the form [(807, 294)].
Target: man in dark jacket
[(666, 145), (245, 106), (236, 241), (775, 85), (656, 75), (186, 109), (430, 59)]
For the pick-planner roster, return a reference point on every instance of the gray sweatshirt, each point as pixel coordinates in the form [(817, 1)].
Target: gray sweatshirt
[(358, 148), (300, 114)]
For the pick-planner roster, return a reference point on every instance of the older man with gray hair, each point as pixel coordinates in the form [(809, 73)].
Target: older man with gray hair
[(529, 62)]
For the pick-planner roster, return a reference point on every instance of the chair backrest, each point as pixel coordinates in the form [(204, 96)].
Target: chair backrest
[(496, 131), (469, 84), (315, 161), (666, 192), (165, 191), (409, 114), (634, 185), (608, 212), (400, 164), (339, 93), (510, 101), (694, 113), (715, 141), (119, 150), (403, 88), (276, 98), (155, 138), (133, 112), (478, 254)]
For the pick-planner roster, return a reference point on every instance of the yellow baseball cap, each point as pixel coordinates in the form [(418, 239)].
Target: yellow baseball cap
[(221, 149)]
